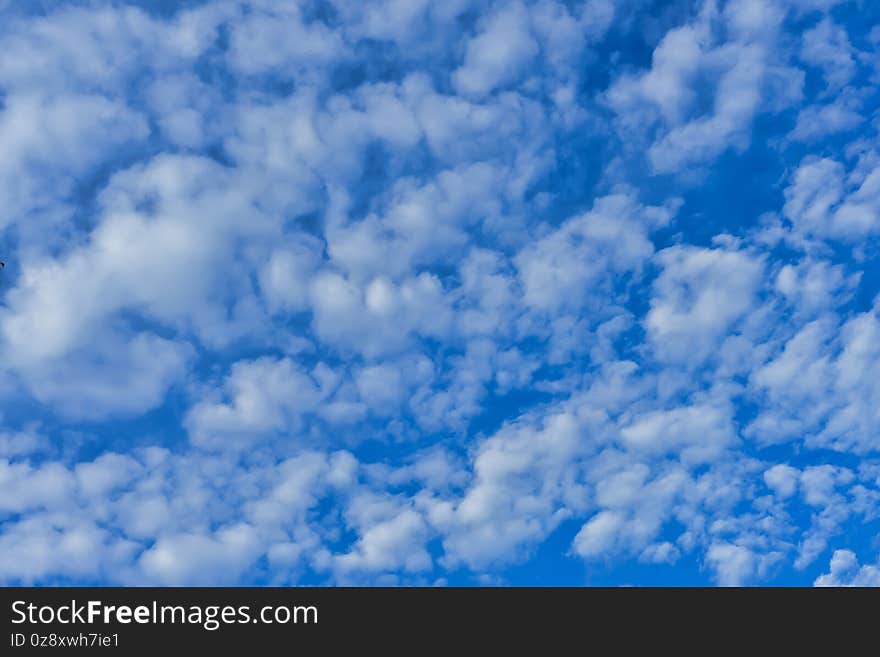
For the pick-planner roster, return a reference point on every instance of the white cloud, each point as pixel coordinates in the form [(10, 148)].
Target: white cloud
[(819, 387), (822, 201), (744, 76), (599, 535), (696, 434), (737, 565), (846, 571), (298, 49), (30, 440), (265, 396), (98, 48), (49, 144), (664, 552), (381, 318), (815, 122), (151, 254), (783, 479), (812, 286), (698, 298), (26, 487), (827, 46), (582, 258), (524, 476), (196, 559), (498, 54), (285, 276), (46, 547), (393, 544), (421, 225)]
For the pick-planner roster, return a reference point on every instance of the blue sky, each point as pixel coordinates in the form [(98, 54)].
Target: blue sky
[(409, 292)]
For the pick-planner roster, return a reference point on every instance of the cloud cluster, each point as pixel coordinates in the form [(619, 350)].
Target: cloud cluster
[(420, 292)]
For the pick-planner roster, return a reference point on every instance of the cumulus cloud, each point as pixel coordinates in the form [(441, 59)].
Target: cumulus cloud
[(698, 298), (702, 92), (588, 254), (264, 396), (823, 201), (827, 47), (815, 122), (522, 478), (818, 387), (498, 53), (845, 570)]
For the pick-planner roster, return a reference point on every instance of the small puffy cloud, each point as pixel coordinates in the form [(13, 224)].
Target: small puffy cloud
[(822, 201), (46, 547), (664, 552), (390, 545), (259, 397), (698, 297), (286, 274), (52, 142), (27, 487), (782, 479), (380, 318), (498, 54), (845, 570), (827, 47), (564, 269), (29, 440), (695, 434), (701, 93), (599, 535), (300, 46), (196, 559), (736, 565), (813, 286), (818, 388), (381, 387), (816, 122), (523, 477)]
